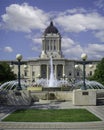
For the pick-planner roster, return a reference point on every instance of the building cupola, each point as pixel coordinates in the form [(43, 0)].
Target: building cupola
[(51, 29)]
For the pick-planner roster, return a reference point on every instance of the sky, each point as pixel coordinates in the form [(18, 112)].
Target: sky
[(23, 22)]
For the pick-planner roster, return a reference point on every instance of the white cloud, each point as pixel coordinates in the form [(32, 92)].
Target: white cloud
[(100, 35), (70, 48), (8, 49), (37, 40), (95, 51), (76, 10), (73, 11), (24, 18), (67, 42), (80, 22), (36, 48), (73, 50), (96, 47)]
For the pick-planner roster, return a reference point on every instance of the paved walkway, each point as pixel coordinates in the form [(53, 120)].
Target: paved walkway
[(97, 110)]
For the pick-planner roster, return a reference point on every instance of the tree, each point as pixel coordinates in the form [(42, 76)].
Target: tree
[(99, 72), (6, 73)]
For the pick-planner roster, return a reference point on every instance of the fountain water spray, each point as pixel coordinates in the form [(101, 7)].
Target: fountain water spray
[(52, 82)]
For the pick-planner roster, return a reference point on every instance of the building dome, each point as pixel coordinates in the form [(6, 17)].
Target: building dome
[(51, 29)]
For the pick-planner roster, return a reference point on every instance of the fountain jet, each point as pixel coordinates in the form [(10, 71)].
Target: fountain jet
[(52, 82)]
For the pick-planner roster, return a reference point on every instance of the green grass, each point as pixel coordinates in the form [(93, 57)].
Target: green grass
[(51, 115)]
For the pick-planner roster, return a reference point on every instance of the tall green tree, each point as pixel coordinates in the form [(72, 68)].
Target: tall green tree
[(99, 72), (6, 73)]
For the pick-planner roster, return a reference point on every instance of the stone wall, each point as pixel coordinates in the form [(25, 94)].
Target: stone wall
[(58, 95)]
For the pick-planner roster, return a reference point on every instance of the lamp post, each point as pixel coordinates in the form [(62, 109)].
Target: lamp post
[(19, 58), (84, 57), (19, 63), (84, 96), (84, 62)]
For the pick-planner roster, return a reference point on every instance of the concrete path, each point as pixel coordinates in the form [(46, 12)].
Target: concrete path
[(24, 125), (5, 110), (97, 110)]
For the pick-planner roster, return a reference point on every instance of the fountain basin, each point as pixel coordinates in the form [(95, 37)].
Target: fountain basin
[(51, 88), (63, 88), (16, 98), (53, 95), (34, 89)]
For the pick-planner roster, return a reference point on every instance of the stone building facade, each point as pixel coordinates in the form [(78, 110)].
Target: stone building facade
[(63, 68)]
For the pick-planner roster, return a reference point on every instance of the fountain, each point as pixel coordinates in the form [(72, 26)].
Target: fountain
[(51, 89), (89, 85), (52, 84), (9, 95), (52, 78), (12, 85)]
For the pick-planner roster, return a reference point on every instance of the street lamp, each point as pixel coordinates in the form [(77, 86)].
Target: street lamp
[(25, 66), (76, 66), (84, 58), (91, 66), (19, 63), (19, 58)]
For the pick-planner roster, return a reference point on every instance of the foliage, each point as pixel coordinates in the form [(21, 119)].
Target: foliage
[(6, 73), (99, 72), (51, 115)]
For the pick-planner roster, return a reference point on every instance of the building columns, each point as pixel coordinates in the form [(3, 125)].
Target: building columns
[(55, 71), (47, 72)]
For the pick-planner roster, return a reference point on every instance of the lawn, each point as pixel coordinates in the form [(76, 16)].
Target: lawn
[(51, 115)]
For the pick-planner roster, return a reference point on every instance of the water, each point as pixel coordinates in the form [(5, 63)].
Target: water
[(12, 85), (89, 85), (52, 81), (9, 94)]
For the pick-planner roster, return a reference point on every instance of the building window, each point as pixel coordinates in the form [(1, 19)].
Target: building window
[(44, 71), (90, 73), (77, 73), (33, 73), (70, 74), (25, 73), (59, 71)]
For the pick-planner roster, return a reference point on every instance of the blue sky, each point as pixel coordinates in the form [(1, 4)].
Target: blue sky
[(80, 23)]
